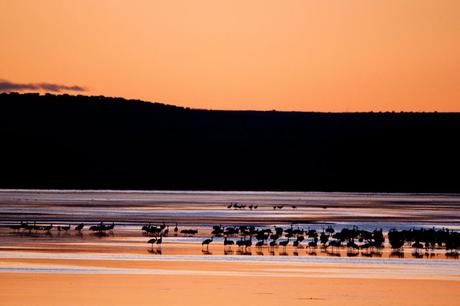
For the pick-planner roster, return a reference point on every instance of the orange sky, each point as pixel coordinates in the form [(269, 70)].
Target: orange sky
[(312, 55)]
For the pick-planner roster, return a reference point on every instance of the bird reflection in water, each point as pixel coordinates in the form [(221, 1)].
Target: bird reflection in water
[(397, 254), (155, 251), (453, 255), (335, 254), (244, 252)]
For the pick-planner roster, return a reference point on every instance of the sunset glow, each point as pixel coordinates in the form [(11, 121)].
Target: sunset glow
[(305, 55)]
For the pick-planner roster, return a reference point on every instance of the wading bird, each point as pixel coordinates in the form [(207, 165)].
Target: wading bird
[(206, 243), (284, 243), (152, 241), (228, 243)]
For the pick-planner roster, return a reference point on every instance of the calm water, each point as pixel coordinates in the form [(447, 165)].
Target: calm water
[(205, 208), (295, 267), (131, 209)]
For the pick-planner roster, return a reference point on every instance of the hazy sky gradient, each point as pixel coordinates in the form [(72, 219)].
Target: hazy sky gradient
[(353, 55)]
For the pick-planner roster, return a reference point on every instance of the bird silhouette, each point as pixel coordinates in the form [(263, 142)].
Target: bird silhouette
[(284, 243), (206, 243), (176, 229), (152, 241), (273, 244), (228, 243), (313, 244), (297, 244), (260, 243), (159, 241), (334, 243)]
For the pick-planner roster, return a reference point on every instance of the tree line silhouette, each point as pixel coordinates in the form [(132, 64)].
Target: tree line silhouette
[(95, 142)]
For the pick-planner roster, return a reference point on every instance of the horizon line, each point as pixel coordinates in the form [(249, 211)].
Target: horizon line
[(230, 110)]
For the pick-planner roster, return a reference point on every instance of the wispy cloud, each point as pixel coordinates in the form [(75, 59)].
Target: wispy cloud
[(10, 86)]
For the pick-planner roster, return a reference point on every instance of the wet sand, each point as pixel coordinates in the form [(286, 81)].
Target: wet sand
[(65, 289), (124, 278)]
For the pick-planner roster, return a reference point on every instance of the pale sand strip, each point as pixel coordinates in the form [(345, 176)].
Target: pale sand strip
[(83, 289)]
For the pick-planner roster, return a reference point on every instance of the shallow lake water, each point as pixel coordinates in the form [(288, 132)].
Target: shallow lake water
[(201, 210)]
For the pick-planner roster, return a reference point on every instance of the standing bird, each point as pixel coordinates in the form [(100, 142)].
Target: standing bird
[(296, 244), (159, 241), (152, 241), (176, 229), (206, 243), (228, 243), (313, 244), (284, 243), (273, 244)]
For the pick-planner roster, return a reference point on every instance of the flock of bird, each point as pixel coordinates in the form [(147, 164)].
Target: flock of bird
[(246, 236), (352, 239), (239, 206), (34, 227), (427, 239), (300, 238)]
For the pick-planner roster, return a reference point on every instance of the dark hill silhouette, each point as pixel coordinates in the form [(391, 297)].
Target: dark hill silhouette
[(63, 141)]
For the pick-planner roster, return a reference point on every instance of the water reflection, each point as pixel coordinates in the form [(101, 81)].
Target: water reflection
[(453, 255), (102, 234), (372, 254), (397, 254), (155, 251), (246, 252)]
